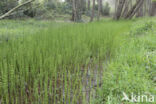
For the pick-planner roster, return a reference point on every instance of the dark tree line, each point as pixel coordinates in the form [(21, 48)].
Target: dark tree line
[(125, 9)]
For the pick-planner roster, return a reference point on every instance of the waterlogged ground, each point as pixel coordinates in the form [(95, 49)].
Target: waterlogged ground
[(71, 63)]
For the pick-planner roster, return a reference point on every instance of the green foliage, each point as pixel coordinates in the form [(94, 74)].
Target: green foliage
[(51, 4), (6, 5), (66, 8), (53, 8)]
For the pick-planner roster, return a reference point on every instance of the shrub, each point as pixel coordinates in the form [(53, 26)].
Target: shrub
[(141, 27)]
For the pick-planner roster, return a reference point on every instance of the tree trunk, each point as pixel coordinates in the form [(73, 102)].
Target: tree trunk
[(134, 9), (92, 16), (88, 5), (116, 5), (76, 10), (153, 9), (150, 7), (140, 11), (138, 7), (119, 9), (73, 11), (145, 7), (130, 4), (126, 8), (101, 6), (99, 9)]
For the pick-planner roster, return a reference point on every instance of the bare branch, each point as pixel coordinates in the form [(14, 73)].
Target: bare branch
[(14, 9)]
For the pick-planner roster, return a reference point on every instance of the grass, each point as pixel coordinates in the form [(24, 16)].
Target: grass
[(49, 62), (133, 68)]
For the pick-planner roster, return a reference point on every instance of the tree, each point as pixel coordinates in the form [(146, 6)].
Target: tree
[(119, 9), (153, 9), (101, 6), (126, 7), (99, 9), (130, 3), (76, 10), (145, 7), (134, 9), (116, 4), (130, 10), (140, 12), (149, 7), (88, 5), (93, 11)]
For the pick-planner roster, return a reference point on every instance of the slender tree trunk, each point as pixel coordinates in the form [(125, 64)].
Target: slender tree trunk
[(145, 7), (92, 16), (131, 3), (140, 12), (76, 10), (88, 5), (101, 6), (126, 7), (134, 9), (149, 7), (138, 7), (153, 9), (73, 11), (119, 9), (99, 9), (116, 5)]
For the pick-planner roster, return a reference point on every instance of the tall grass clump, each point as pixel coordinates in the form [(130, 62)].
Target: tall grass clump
[(49, 65)]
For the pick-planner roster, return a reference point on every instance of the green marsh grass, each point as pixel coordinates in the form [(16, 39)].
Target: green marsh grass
[(46, 62)]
